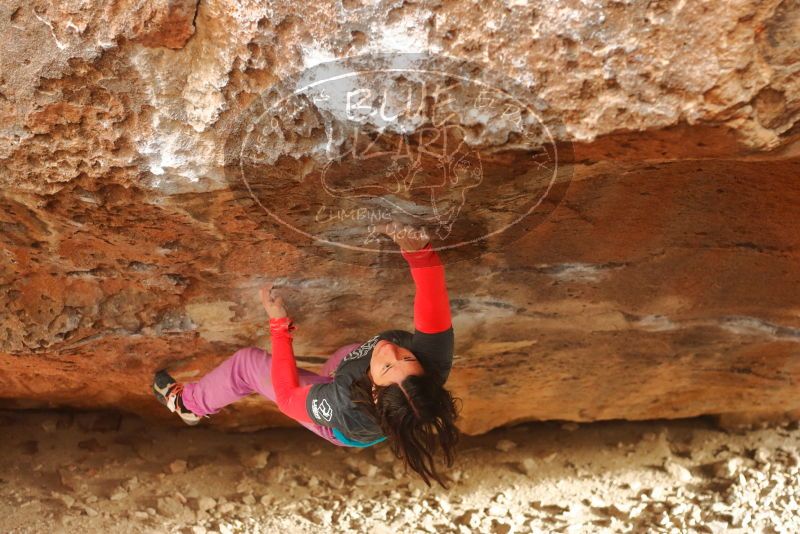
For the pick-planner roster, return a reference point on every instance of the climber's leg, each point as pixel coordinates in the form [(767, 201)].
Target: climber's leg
[(246, 372)]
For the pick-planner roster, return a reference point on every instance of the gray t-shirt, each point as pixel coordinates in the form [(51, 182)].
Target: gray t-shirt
[(330, 405)]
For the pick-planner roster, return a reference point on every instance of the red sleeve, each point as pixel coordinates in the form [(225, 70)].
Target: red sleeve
[(290, 397), (431, 303)]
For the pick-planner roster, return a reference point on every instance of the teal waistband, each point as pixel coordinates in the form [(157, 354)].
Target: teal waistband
[(341, 437)]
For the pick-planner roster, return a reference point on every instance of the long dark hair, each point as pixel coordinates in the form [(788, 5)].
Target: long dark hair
[(415, 429)]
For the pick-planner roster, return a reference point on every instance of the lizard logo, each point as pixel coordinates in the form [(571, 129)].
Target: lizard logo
[(363, 350)]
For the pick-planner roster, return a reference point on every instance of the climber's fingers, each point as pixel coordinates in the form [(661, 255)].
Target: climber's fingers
[(407, 237), (266, 294), (273, 304), (412, 240)]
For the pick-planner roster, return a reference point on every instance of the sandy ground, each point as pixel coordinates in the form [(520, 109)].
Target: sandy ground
[(95, 472)]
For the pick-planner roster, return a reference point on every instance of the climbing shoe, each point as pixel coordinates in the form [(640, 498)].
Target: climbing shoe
[(168, 392)]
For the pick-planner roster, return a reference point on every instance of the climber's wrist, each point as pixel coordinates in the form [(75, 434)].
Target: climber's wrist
[(279, 325)]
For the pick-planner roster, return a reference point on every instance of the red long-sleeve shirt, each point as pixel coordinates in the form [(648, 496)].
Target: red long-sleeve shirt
[(431, 315)]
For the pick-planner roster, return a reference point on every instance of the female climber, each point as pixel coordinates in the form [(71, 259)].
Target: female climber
[(390, 387)]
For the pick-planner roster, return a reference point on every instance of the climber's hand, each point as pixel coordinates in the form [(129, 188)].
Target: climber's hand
[(272, 304), (409, 238)]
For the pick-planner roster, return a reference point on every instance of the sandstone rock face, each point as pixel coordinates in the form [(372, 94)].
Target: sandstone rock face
[(662, 281)]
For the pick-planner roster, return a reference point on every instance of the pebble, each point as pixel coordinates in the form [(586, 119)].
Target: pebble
[(68, 500), (719, 507), (69, 479), (500, 497), (169, 506), (679, 509), (677, 471), (528, 466), (637, 510), (497, 510), (595, 502), (658, 493), (761, 455), (321, 516), (620, 511), (205, 503), (398, 471), (365, 468), (226, 508), (178, 466), (470, 519), (384, 455), (727, 468), (369, 470), (118, 495), (718, 527), (505, 445), (256, 460)]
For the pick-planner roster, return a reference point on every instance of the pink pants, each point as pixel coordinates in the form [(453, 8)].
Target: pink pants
[(248, 371)]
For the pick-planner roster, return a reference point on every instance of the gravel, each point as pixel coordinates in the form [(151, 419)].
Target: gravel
[(681, 476)]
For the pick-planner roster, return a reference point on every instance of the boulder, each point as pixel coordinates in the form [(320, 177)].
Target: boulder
[(658, 278)]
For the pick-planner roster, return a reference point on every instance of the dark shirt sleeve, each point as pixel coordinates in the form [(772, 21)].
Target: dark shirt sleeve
[(324, 406), (433, 340), (435, 352)]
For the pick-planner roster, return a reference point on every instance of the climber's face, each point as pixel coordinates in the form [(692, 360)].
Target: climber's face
[(391, 364)]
